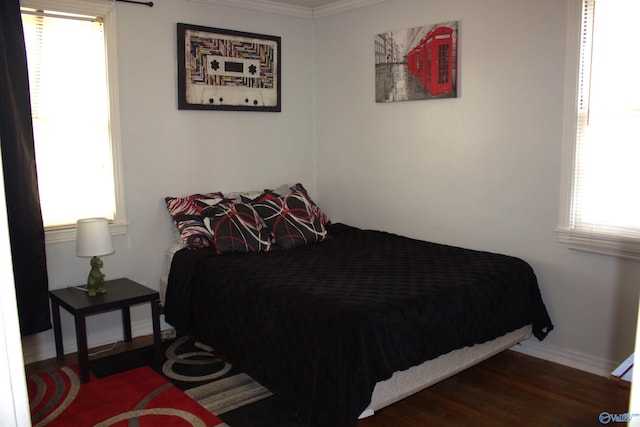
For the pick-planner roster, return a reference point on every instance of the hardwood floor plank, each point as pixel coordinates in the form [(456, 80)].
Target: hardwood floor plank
[(102, 351), (510, 389)]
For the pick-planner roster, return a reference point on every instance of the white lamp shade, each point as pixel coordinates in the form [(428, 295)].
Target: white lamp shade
[(93, 237)]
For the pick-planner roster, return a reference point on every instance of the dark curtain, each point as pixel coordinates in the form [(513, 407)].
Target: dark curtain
[(26, 231)]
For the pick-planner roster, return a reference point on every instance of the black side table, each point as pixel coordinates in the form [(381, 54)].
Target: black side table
[(121, 294)]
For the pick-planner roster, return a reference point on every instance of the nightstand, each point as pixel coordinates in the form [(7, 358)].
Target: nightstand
[(121, 294)]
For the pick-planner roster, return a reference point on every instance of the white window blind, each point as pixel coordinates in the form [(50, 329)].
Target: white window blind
[(73, 112), (604, 213)]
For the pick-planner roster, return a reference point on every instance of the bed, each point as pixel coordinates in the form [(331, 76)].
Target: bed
[(352, 321)]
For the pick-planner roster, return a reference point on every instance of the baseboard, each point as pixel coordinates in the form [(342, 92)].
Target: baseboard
[(573, 359), (44, 349)]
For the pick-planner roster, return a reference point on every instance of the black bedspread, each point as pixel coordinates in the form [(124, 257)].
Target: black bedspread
[(321, 324)]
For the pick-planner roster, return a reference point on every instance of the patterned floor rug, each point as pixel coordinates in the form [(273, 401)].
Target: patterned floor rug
[(138, 397), (225, 391)]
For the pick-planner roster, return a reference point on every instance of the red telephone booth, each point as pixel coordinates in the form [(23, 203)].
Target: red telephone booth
[(412, 61), (423, 64), (438, 60)]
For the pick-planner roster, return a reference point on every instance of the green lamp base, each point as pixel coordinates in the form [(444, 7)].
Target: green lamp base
[(95, 281)]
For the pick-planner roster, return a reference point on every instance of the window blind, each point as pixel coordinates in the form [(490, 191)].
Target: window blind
[(605, 202), (70, 113)]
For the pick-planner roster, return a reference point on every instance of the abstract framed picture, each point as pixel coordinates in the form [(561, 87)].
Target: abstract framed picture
[(222, 69), (417, 63)]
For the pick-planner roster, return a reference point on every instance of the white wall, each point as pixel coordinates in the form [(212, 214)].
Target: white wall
[(480, 171), (170, 152)]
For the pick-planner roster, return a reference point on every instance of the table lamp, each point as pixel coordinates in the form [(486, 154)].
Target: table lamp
[(93, 240)]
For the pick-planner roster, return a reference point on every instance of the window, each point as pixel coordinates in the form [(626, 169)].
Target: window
[(73, 105), (601, 212)]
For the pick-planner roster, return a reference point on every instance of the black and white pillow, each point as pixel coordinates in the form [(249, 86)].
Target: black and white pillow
[(186, 215), (236, 227), (291, 219), (299, 188)]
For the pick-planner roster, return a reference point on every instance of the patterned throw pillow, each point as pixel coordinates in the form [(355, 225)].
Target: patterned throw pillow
[(316, 209), (186, 215), (236, 227), (291, 219), (186, 212)]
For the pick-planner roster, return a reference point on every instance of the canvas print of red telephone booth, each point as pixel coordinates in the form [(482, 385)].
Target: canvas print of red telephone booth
[(436, 54), (417, 63)]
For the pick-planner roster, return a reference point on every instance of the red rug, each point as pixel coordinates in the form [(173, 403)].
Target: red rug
[(140, 395)]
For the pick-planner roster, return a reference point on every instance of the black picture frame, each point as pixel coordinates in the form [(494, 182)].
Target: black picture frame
[(220, 69)]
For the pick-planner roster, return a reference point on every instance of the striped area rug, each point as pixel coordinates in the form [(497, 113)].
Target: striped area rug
[(230, 394), (207, 379)]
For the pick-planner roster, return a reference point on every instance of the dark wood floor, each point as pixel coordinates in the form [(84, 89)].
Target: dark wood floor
[(510, 389), (72, 358)]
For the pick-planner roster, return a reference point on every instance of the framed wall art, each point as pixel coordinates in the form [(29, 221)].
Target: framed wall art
[(417, 63), (222, 69)]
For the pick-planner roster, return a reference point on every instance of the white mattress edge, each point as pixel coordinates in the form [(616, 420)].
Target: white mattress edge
[(405, 383)]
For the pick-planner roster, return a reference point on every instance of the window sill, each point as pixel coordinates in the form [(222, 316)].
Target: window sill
[(604, 244), (60, 235)]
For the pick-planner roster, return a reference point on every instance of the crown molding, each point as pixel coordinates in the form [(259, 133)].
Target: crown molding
[(264, 6), (339, 6), (342, 6)]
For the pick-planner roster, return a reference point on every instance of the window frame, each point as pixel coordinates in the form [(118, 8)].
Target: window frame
[(595, 242), (107, 11)]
